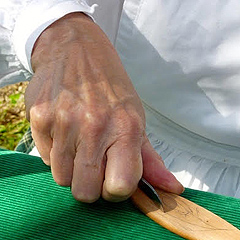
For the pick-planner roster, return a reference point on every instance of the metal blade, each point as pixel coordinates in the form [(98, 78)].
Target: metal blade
[(149, 190)]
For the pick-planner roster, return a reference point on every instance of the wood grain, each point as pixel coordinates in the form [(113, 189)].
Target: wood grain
[(185, 218)]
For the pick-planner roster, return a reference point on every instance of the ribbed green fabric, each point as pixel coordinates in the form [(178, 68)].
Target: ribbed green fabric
[(32, 206)]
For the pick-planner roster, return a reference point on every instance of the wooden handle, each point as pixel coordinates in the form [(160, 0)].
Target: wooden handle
[(185, 218)]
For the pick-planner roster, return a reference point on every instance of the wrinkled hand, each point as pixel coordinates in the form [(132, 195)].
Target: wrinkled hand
[(86, 118)]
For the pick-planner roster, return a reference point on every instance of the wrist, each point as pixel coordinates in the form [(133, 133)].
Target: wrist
[(51, 44)]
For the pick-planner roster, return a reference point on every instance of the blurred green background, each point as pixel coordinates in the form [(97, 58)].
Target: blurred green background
[(13, 123)]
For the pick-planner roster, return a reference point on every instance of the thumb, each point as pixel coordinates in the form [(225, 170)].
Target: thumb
[(155, 171)]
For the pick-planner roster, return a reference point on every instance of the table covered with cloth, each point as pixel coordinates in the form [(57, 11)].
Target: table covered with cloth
[(33, 206)]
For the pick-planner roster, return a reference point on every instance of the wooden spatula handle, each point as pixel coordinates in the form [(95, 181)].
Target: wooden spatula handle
[(185, 218)]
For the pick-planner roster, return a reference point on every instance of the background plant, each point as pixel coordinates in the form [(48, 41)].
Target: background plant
[(13, 123)]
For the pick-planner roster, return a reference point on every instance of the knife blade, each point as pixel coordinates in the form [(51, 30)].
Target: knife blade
[(149, 190)]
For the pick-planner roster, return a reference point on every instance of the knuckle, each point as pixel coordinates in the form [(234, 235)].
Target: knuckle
[(63, 116), (120, 189), (87, 198), (94, 121), (40, 116), (63, 181), (133, 125), (46, 162)]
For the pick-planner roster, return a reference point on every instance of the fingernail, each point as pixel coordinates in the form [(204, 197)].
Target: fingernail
[(183, 189)]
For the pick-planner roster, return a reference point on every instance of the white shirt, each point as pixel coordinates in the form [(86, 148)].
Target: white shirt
[(182, 56)]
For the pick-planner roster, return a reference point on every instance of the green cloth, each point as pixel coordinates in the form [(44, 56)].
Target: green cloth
[(32, 206)]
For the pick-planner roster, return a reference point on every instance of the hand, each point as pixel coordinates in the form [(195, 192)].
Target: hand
[(87, 120)]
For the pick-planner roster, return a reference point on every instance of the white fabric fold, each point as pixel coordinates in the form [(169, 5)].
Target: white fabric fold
[(107, 15), (196, 162), (182, 57)]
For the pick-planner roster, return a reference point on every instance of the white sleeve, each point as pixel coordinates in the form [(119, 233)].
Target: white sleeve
[(22, 21), (107, 15)]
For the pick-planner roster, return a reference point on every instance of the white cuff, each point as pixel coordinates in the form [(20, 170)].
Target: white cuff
[(35, 18)]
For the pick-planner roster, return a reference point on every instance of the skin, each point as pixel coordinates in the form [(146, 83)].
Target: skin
[(87, 120)]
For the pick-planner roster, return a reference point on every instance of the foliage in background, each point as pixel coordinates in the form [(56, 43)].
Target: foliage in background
[(13, 123)]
